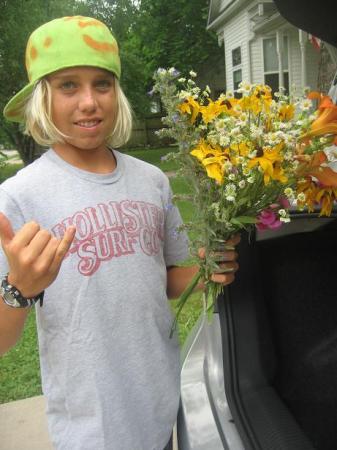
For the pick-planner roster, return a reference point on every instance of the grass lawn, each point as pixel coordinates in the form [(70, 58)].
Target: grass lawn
[(19, 368), (8, 171), (153, 156)]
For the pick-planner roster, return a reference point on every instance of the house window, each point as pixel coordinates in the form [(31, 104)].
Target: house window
[(236, 56), (237, 69), (237, 78), (270, 60)]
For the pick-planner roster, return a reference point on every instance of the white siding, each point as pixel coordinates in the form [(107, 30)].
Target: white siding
[(256, 55), (294, 61), (236, 34), (224, 3), (312, 58), (295, 70)]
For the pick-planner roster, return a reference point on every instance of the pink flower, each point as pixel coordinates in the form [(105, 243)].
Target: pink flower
[(284, 202), (268, 219)]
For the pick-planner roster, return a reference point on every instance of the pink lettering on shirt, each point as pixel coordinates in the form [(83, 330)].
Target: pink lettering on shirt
[(112, 230)]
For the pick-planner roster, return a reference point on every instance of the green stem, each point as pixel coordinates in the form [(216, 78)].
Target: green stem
[(183, 298)]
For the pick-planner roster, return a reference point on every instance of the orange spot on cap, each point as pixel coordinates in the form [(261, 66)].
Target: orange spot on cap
[(13, 113), (89, 23), (67, 18), (27, 52), (47, 41), (100, 46), (33, 52)]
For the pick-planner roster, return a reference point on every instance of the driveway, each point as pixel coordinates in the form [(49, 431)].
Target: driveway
[(23, 426)]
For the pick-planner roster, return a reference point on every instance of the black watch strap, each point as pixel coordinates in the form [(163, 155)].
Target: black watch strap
[(13, 297)]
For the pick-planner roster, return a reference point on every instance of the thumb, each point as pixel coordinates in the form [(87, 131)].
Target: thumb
[(6, 230)]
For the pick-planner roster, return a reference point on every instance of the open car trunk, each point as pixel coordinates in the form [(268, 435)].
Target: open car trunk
[(279, 337)]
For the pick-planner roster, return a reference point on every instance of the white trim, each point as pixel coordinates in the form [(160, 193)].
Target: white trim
[(279, 51), (248, 50), (289, 62), (303, 39), (226, 13)]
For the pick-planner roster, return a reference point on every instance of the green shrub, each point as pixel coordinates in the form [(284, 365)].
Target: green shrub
[(9, 170)]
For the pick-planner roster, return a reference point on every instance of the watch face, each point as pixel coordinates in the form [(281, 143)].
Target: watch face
[(10, 300), (12, 296)]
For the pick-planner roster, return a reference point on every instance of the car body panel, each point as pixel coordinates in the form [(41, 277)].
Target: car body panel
[(205, 421)]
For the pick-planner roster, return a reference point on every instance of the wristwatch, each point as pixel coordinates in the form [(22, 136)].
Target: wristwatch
[(13, 297)]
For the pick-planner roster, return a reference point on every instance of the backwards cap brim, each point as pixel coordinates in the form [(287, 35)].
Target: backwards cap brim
[(13, 111)]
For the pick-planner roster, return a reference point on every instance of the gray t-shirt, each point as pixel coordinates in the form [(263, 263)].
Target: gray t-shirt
[(109, 371)]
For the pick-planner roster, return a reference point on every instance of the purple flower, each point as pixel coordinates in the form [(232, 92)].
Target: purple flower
[(174, 72)]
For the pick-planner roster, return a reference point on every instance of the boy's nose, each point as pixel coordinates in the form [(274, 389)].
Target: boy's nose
[(87, 100)]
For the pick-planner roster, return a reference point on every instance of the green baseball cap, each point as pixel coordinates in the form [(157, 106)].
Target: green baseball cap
[(65, 42)]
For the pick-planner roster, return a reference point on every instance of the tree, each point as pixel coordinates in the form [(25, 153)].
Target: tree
[(157, 33), (174, 34)]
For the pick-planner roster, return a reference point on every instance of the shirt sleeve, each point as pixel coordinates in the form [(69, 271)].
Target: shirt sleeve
[(176, 245), (12, 211)]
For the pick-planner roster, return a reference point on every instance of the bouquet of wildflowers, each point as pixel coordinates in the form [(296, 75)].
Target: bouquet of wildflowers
[(247, 158)]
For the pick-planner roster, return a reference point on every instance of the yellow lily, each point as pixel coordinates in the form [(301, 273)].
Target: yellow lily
[(190, 107), (286, 112), (214, 168), (214, 109), (259, 100), (279, 174), (212, 158), (267, 161), (240, 149), (204, 150)]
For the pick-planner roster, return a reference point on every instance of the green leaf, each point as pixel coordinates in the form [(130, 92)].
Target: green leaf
[(243, 219)]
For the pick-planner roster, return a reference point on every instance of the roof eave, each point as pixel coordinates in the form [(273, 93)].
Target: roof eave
[(225, 14)]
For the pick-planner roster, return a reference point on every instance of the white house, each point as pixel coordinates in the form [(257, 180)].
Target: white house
[(260, 46)]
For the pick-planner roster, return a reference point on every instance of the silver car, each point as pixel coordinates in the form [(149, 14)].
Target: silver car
[(263, 373)]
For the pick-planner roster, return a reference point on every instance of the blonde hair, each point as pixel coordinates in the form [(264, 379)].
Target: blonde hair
[(39, 124)]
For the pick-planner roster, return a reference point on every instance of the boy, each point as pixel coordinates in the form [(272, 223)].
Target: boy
[(93, 232)]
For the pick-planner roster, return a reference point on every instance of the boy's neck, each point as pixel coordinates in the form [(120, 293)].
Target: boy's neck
[(100, 160)]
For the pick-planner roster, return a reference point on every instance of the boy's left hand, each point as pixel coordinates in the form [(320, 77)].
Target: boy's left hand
[(227, 261)]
